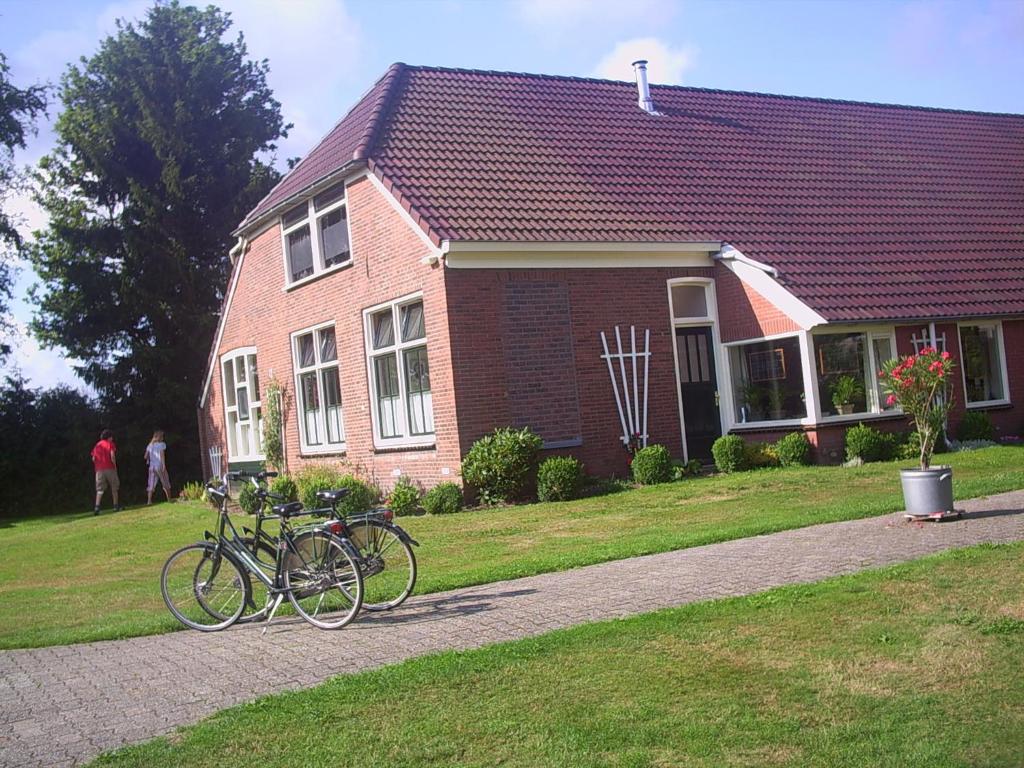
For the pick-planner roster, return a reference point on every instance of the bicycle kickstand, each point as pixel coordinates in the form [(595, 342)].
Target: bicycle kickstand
[(273, 609)]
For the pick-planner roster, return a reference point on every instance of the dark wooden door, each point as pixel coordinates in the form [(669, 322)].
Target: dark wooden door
[(698, 385)]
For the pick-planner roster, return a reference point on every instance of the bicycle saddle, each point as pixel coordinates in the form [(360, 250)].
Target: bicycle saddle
[(332, 496), (286, 510)]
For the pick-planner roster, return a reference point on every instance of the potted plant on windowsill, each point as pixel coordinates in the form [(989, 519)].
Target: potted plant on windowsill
[(922, 385), (845, 390), (777, 403)]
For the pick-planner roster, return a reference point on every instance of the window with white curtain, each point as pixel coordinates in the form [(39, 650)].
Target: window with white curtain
[(316, 236), (400, 374), (243, 418), (318, 390)]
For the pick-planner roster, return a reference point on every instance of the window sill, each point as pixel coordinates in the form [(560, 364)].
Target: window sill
[(988, 404), (334, 450), (317, 275), (572, 442), (847, 418), (406, 448), (807, 423)]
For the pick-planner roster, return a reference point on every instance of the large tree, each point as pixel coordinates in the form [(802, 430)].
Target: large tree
[(159, 155), (19, 108)]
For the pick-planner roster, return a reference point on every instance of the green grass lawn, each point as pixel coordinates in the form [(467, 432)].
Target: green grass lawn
[(916, 665), (73, 578)]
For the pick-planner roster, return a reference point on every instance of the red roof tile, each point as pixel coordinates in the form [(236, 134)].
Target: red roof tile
[(867, 211)]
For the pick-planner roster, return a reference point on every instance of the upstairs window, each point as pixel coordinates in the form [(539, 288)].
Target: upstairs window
[(243, 415), (403, 412), (317, 383), (316, 236)]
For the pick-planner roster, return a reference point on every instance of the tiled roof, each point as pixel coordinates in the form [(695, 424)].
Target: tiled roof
[(867, 211)]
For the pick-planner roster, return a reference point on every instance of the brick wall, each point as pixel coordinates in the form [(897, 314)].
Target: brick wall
[(599, 299), (386, 265), (743, 312)]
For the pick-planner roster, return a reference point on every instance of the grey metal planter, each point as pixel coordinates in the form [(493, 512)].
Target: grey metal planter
[(928, 491)]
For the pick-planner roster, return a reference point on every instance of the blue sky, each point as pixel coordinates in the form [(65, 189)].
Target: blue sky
[(324, 53)]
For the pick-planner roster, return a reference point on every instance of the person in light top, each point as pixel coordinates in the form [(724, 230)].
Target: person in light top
[(157, 466)]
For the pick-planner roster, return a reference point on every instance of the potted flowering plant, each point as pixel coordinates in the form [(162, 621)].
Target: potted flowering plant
[(922, 386)]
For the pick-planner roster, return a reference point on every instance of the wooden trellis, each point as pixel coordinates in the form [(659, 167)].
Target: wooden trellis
[(632, 418)]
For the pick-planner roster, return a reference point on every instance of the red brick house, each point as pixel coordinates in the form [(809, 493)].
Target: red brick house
[(447, 258)]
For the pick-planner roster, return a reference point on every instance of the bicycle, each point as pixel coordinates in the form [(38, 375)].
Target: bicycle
[(386, 558), (209, 584)]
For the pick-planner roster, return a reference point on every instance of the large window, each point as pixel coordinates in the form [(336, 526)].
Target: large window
[(318, 390), (316, 236), (767, 380), (243, 417), (982, 351), (847, 366), (400, 374)]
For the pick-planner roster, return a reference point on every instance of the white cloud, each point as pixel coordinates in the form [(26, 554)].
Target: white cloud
[(44, 368), (665, 64), (556, 16)]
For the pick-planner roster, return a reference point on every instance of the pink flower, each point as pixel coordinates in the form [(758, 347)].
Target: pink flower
[(890, 400), (928, 351), (946, 356)]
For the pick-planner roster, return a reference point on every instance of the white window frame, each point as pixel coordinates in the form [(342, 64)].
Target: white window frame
[(404, 440), (711, 319), (997, 325), (312, 220), (870, 373), (318, 367), (255, 404)]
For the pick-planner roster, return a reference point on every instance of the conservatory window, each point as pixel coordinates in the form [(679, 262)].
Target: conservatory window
[(847, 366), (981, 347), (242, 413), (400, 374), (767, 380), (318, 390)]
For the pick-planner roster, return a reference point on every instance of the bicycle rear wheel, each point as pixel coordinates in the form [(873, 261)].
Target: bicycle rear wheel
[(324, 584), (388, 564), (203, 588)]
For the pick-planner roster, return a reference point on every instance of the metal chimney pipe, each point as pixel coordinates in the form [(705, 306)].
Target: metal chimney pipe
[(643, 89)]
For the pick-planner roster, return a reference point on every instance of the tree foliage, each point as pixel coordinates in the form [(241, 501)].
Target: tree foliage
[(19, 108), (158, 158)]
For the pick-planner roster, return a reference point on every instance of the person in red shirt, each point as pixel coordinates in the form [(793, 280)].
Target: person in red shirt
[(104, 460)]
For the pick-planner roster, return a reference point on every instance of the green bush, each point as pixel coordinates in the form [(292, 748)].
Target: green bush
[(975, 425), (652, 465), (867, 444), (247, 499), (730, 453), (793, 449), (404, 498), (692, 468), (319, 477), (192, 492), (285, 486), (443, 499), (910, 446), (559, 478), (499, 465), (760, 455)]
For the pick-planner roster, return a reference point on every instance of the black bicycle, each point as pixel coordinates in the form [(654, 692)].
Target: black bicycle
[(386, 559), (209, 585)]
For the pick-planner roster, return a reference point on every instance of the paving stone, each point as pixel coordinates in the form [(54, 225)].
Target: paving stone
[(99, 696)]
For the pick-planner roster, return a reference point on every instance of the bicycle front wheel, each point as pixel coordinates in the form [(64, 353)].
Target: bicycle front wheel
[(203, 588), (388, 564), (323, 582)]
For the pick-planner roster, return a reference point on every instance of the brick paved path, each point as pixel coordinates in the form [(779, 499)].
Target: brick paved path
[(64, 705)]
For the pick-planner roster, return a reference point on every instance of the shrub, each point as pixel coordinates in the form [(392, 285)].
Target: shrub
[(793, 449), (192, 492), (499, 465), (559, 478), (969, 445), (286, 487), (975, 425), (867, 444), (652, 465), (730, 453), (760, 455), (247, 499), (404, 498), (692, 468), (319, 477), (443, 499)]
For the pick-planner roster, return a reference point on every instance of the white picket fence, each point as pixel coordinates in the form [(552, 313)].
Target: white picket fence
[(216, 455), (632, 418)]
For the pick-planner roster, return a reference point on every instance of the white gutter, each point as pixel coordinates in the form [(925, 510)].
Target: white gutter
[(733, 254)]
